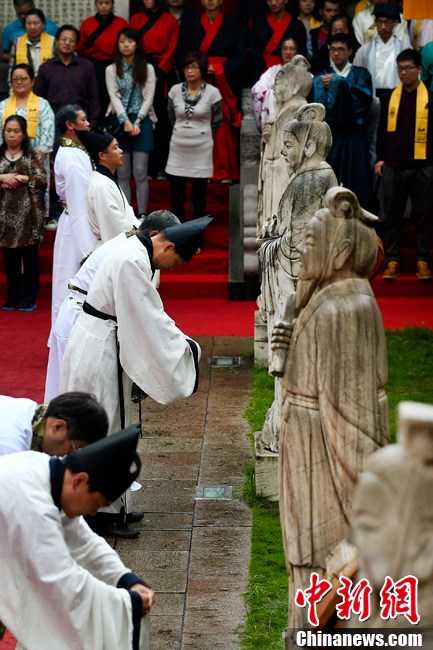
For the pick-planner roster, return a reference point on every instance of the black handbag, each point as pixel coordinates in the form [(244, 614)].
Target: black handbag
[(112, 125)]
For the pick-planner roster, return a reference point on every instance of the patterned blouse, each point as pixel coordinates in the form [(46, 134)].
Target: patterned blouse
[(22, 208), (131, 93)]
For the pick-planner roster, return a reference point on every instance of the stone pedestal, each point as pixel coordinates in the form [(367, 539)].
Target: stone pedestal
[(266, 470)]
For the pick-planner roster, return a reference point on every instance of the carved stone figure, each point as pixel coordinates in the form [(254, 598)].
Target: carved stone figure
[(392, 519), (334, 412), (306, 143), (291, 87)]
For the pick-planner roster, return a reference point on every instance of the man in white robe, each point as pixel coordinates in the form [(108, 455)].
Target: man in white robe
[(365, 28), (125, 336), (107, 206), (74, 237), (63, 586), (72, 306), (66, 423)]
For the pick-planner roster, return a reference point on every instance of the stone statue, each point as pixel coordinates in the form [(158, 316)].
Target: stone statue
[(291, 87), (307, 141), (334, 412), (392, 519)]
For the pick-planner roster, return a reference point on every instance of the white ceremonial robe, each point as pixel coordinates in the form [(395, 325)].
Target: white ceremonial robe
[(109, 211), (16, 416), (74, 237), (58, 578), (68, 313), (365, 31), (71, 308), (154, 353)]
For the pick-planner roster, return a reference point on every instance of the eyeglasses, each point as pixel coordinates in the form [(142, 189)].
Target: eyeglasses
[(384, 21), (67, 40), (19, 79), (338, 49), (192, 66), (407, 68)]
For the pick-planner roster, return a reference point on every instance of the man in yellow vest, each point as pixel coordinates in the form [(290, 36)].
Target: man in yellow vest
[(405, 164), (36, 45), (16, 28)]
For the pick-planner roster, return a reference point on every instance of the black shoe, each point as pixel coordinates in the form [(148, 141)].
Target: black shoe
[(134, 517), (117, 529), (110, 524)]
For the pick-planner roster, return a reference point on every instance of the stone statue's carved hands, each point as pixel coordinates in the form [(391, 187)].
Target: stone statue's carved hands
[(266, 131), (280, 343), (270, 228), (282, 335)]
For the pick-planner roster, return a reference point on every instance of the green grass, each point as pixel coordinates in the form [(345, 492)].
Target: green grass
[(410, 366)]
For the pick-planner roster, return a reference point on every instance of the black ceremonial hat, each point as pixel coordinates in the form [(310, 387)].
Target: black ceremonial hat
[(390, 10), (95, 142), (187, 237), (111, 463)]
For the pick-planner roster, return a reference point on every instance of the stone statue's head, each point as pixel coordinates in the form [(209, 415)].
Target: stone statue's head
[(339, 242), (293, 79), (392, 516), (306, 137)]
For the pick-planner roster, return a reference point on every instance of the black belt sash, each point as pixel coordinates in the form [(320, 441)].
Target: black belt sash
[(88, 309)]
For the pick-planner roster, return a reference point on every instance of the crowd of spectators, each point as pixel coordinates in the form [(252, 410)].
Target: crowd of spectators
[(83, 64)]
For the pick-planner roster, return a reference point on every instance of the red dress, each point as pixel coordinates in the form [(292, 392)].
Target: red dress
[(222, 43)]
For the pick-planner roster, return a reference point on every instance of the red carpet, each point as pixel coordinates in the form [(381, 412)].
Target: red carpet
[(24, 335), (8, 642)]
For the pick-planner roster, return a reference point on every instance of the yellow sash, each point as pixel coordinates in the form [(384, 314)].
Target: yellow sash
[(416, 33), (421, 121), (46, 48), (360, 6), (32, 112)]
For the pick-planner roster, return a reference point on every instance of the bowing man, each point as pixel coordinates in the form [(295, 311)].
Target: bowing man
[(65, 423), (48, 554), (125, 336)]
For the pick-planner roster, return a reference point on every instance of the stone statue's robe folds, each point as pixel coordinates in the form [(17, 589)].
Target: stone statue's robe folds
[(334, 416), (58, 578), (279, 257)]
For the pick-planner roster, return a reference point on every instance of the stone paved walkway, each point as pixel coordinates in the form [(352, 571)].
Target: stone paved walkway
[(195, 553)]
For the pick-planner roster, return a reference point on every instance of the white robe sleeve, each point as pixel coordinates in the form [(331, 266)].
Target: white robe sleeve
[(75, 196), (154, 353)]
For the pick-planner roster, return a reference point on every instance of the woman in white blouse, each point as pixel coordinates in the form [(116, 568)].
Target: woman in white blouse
[(194, 110), (131, 86)]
